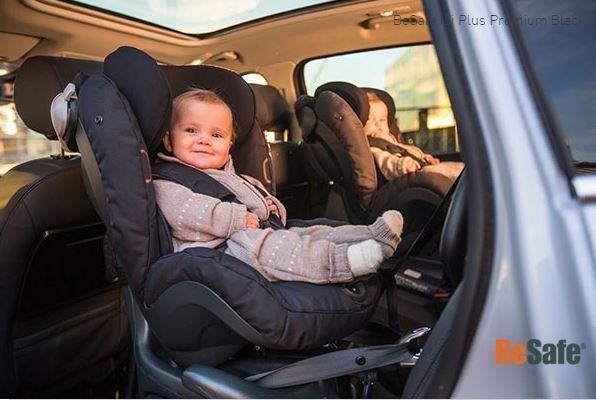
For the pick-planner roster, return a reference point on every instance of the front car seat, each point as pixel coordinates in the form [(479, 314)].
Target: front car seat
[(61, 318)]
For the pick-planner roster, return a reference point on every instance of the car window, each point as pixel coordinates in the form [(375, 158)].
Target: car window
[(412, 76), (254, 77), (17, 142), (562, 52)]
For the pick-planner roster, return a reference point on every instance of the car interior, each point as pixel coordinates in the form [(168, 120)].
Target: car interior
[(95, 301)]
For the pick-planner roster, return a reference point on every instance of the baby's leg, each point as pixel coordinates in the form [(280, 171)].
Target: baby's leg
[(283, 255), (386, 230)]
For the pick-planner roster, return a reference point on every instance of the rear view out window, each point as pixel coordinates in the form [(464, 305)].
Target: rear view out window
[(562, 51), (17, 142), (411, 75)]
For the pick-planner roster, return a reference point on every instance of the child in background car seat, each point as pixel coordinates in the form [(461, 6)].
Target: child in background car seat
[(200, 136), (395, 159)]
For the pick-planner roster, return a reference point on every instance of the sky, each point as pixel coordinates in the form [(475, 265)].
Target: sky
[(194, 16), (362, 69)]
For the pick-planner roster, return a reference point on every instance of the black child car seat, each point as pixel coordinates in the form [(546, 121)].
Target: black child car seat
[(337, 156), (201, 305), (198, 306)]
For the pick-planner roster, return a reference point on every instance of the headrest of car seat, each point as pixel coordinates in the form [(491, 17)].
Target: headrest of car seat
[(307, 119), (38, 80), (140, 79), (273, 111), (352, 94), (230, 86)]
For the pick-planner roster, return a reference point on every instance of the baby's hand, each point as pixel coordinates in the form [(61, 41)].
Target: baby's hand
[(431, 160), (252, 221), (409, 165), (272, 207)]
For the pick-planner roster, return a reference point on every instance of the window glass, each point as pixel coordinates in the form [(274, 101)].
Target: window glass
[(19, 143), (559, 40), (412, 76), (195, 16), (254, 77)]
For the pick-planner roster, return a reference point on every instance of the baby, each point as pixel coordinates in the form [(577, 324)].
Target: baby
[(404, 158), (201, 135)]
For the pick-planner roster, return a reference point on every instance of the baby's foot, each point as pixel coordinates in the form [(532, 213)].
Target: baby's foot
[(394, 220), (365, 257)]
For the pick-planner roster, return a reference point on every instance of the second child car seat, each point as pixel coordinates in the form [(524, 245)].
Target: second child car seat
[(337, 156)]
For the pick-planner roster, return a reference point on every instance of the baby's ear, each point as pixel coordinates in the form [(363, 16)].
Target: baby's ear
[(167, 141)]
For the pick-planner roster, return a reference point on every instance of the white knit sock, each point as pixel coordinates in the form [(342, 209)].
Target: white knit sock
[(365, 257), (394, 220)]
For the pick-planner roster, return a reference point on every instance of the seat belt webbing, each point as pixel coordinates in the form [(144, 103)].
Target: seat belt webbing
[(332, 365)]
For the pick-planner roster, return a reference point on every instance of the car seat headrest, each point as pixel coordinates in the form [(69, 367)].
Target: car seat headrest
[(273, 111), (140, 79), (352, 94), (230, 86), (307, 119), (38, 80)]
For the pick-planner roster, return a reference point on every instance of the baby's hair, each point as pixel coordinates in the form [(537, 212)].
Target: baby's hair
[(373, 98), (202, 95)]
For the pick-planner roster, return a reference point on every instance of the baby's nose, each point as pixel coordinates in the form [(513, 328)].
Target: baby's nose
[(203, 138)]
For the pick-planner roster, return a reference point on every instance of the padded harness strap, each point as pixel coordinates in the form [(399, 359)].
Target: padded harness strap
[(199, 182), (340, 363), (390, 147)]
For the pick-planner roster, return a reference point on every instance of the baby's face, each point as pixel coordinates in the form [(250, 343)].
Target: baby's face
[(201, 135), (377, 119)]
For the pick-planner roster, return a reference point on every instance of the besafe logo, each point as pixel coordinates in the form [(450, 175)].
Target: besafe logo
[(535, 352)]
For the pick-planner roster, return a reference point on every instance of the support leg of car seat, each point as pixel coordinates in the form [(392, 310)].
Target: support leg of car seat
[(217, 384)]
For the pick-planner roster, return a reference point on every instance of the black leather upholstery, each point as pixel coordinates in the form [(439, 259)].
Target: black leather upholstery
[(273, 111), (38, 80), (38, 200), (52, 270)]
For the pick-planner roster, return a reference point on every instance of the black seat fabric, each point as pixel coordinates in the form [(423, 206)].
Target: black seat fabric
[(280, 315), (336, 153), (60, 312)]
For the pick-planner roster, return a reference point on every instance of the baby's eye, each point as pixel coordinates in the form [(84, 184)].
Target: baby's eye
[(217, 135), (190, 130)]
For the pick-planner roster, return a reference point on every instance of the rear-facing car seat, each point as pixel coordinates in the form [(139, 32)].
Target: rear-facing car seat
[(337, 156), (201, 304), (61, 320)]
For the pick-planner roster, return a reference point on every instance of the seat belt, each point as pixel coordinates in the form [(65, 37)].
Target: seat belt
[(341, 363)]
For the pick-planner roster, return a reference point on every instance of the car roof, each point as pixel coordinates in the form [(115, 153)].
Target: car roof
[(53, 27)]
